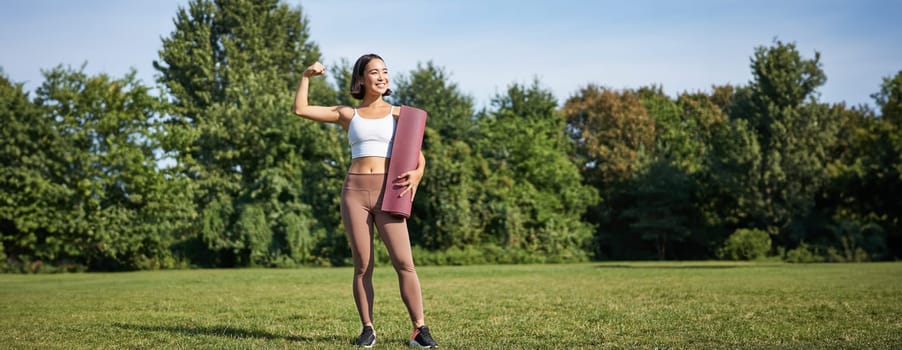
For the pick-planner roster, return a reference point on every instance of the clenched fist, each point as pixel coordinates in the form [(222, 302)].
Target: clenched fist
[(315, 69)]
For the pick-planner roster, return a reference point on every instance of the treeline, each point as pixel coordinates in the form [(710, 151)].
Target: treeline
[(212, 170)]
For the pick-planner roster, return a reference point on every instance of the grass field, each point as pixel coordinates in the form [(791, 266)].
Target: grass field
[(709, 305)]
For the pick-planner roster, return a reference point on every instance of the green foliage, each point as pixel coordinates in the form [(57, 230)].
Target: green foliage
[(793, 135), (861, 197), (856, 240), (498, 188), (679, 134), (341, 76), (889, 99), (746, 244), (429, 86), (217, 45), (95, 196), (97, 173), (534, 195), (804, 253), (726, 191), (783, 79), (444, 206), (4, 264), (265, 181), (28, 142), (666, 203), (614, 139), (661, 210)]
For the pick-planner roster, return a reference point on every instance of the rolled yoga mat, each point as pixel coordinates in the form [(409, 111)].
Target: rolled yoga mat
[(405, 154)]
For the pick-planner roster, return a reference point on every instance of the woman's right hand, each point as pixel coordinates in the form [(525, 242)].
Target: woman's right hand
[(315, 69)]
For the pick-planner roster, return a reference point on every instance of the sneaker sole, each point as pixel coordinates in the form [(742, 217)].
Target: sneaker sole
[(414, 343), (365, 346)]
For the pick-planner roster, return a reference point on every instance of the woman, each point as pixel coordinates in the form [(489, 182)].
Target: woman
[(370, 129)]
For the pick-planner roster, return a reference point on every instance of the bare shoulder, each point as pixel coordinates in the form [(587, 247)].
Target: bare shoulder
[(345, 112), (396, 111)]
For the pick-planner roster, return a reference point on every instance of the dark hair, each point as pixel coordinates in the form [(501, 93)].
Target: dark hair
[(356, 87)]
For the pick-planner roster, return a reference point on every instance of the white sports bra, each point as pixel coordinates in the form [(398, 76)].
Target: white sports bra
[(371, 137)]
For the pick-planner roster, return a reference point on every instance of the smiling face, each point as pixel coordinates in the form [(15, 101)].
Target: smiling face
[(375, 77), (369, 77)]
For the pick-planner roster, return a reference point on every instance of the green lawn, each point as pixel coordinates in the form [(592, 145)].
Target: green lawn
[(709, 305)]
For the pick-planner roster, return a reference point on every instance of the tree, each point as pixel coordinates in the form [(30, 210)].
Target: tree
[(104, 204), (890, 170), (614, 138), (266, 182), (889, 99), (661, 210), (723, 194), (793, 131), (30, 209), (665, 203), (679, 136), (612, 132), (534, 193), (859, 206), (445, 216)]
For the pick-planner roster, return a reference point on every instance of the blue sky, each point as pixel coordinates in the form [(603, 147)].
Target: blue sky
[(487, 45)]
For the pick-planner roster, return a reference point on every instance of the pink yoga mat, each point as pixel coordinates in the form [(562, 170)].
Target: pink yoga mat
[(405, 154)]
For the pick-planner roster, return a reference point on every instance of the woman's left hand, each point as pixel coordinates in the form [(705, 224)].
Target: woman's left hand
[(410, 180)]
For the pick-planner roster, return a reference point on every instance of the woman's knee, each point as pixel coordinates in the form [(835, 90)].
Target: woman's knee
[(404, 266), (363, 269)]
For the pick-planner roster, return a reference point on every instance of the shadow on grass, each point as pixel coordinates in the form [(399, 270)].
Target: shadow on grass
[(673, 266), (224, 331)]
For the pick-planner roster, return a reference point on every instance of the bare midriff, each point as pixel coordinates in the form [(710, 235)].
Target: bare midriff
[(369, 165)]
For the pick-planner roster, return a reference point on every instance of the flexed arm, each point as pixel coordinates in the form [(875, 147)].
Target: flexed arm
[(334, 114)]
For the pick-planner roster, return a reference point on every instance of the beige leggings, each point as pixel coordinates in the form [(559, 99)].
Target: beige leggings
[(361, 203)]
